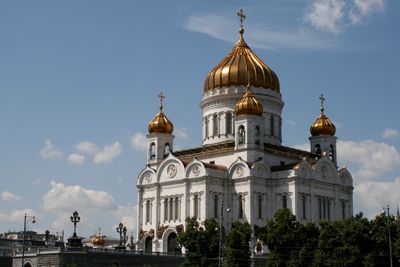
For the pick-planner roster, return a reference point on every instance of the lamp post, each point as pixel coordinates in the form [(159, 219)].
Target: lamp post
[(75, 241), (23, 237), (221, 247), (75, 219), (220, 235), (121, 229), (389, 234)]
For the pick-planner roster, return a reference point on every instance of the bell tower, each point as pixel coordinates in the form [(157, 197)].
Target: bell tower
[(160, 138), (323, 139)]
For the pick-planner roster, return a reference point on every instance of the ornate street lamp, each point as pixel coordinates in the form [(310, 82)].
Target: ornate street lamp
[(132, 245), (75, 219), (121, 229), (75, 241), (23, 237)]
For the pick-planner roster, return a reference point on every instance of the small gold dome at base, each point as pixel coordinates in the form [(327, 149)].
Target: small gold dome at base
[(248, 105), (160, 124), (322, 126)]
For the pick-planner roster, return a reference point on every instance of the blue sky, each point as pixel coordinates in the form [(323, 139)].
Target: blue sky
[(79, 83)]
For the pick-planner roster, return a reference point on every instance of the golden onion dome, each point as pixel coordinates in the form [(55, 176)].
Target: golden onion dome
[(235, 68), (248, 105), (322, 125), (160, 123)]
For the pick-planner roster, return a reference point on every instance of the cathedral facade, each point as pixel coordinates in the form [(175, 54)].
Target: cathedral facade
[(241, 171)]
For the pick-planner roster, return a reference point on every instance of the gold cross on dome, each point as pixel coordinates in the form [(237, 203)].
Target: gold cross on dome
[(242, 17), (161, 96), (322, 98)]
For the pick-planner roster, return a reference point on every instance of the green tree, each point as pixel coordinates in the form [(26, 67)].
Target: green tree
[(237, 252), (200, 241), (344, 243), (281, 237)]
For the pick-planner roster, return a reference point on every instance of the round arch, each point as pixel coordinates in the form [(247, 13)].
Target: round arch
[(148, 244)]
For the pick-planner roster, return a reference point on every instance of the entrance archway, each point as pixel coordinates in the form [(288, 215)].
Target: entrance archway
[(148, 244), (171, 243)]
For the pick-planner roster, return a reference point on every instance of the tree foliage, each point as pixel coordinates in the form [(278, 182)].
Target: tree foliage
[(351, 242), (237, 252), (201, 242)]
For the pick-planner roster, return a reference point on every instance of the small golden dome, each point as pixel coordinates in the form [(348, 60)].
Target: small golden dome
[(160, 123), (322, 125), (248, 105), (98, 239), (234, 69)]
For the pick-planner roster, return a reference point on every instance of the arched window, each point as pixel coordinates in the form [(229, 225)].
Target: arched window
[(331, 153), (343, 209), (148, 211), (171, 243), (272, 126), (148, 244), (166, 209), (167, 150), (284, 202), (177, 208), (215, 206), (241, 135), (318, 149), (152, 151), (27, 264), (215, 124), (196, 206), (257, 135), (206, 127), (228, 123), (240, 199), (259, 248), (171, 206), (304, 202), (260, 206)]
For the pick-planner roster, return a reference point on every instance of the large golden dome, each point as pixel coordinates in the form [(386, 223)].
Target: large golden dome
[(237, 66), (322, 125), (160, 123), (248, 105)]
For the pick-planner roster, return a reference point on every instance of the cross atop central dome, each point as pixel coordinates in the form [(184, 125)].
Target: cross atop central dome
[(240, 66)]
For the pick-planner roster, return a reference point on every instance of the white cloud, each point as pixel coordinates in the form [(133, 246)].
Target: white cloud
[(371, 158), (366, 7), (17, 215), (68, 198), (326, 15), (181, 133), (335, 15), (10, 197), (108, 153), (127, 215), (371, 196), (220, 27), (390, 133), (87, 147), (76, 158), (50, 151), (139, 142)]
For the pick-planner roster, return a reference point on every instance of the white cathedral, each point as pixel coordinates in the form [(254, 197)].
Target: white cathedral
[(241, 172)]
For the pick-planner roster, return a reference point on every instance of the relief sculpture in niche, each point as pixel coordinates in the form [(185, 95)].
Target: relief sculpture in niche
[(171, 170), (239, 171)]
